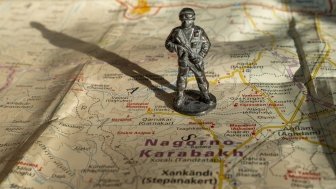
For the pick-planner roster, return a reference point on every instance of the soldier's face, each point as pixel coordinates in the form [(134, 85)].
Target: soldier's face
[(187, 23)]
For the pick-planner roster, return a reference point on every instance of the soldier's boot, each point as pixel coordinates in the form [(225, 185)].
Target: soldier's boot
[(205, 94), (206, 99), (181, 86)]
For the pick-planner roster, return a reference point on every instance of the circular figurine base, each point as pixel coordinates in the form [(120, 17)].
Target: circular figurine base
[(193, 105)]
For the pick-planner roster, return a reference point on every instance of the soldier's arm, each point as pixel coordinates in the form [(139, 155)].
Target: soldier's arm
[(205, 44), (169, 44)]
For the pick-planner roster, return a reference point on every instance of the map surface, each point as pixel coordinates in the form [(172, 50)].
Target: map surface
[(86, 91)]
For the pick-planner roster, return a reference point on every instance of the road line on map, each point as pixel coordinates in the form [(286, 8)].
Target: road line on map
[(321, 144), (221, 178), (278, 17), (232, 74), (9, 79), (231, 152), (323, 60), (265, 95), (255, 88), (242, 77), (297, 109), (258, 132), (240, 4), (221, 175), (313, 117), (252, 137), (128, 5), (315, 72), (332, 62), (256, 28)]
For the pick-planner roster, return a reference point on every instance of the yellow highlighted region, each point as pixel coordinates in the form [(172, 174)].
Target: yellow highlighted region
[(141, 8)]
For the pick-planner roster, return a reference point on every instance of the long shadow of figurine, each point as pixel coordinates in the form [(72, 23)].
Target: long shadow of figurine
[(127, 67), (130, 69), (319, 95)]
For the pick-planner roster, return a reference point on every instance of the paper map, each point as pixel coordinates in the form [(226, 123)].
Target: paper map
[(86, 91)]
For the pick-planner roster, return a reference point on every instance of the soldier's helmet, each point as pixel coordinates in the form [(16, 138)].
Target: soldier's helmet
[(187, 14)]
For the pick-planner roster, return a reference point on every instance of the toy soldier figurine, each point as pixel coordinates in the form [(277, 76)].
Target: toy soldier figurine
[(191, 44)]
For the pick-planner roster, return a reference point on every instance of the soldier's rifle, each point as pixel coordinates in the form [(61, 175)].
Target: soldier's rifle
[(189, 51)]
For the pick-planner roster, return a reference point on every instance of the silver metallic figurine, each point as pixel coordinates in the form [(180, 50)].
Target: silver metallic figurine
[(191, 44)]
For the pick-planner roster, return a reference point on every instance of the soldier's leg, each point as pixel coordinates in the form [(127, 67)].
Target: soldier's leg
[(183, 70), (203, 85), (181, 84)]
